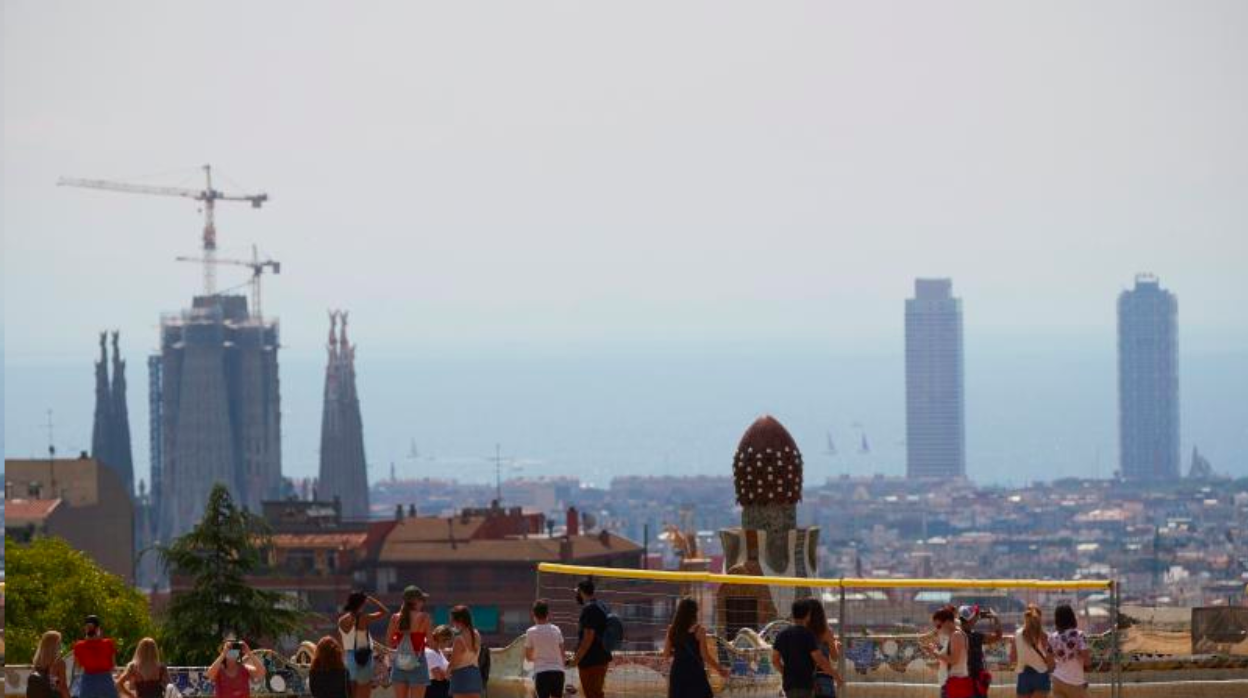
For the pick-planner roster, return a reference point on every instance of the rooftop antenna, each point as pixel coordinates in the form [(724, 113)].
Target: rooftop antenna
[(498, 473), (51, 440), (51, 456)]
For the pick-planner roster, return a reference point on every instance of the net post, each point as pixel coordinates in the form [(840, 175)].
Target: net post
[(1116, 656), (840, 622)]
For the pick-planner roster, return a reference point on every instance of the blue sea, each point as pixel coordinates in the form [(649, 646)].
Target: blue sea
[(1035, 411)]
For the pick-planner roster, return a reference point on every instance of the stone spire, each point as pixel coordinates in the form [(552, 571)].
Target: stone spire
[(343, 472), (123, 458), (110, 433), (101, 428)]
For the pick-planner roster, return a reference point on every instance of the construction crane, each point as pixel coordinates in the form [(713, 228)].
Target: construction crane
[(257, 267), (208, 196)]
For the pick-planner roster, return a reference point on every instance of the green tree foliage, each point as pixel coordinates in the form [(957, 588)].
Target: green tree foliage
[(215, 558), (51, 586)]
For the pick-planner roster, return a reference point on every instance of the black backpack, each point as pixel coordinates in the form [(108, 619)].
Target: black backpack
[(39, 685), (613, 635)]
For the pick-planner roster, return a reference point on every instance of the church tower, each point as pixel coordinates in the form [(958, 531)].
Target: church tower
[(344, 473)]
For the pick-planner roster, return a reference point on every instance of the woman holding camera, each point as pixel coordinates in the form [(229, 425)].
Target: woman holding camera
[(234, 670)]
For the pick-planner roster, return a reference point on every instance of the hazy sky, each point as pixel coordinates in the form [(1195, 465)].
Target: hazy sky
[(462, 175)]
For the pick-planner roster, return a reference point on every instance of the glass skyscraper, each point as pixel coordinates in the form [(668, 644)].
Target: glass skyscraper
[(935, 404), (1148, 381)]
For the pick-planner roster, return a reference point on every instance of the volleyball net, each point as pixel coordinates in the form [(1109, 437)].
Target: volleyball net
[(885, 627)]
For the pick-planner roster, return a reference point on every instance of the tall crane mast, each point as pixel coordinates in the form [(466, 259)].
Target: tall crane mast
[(208, 196), (257, 267)]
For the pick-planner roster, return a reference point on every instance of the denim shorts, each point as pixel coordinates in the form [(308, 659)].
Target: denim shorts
[(97, 686), (466, 679), (1031, 681), (418, 676), (355, 672)]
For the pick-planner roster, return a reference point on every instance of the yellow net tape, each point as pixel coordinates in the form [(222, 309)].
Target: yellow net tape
[(833, 583)]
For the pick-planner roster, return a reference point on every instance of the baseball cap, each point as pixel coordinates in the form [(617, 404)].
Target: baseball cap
[(414, 592), (968, 612)]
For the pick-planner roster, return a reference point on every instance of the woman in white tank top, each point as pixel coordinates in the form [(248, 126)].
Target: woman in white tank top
[(952, 674), (357, 644)]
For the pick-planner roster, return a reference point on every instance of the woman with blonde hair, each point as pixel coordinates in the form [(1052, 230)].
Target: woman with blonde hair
[(47, 677), (1031, 656), (144, 676)]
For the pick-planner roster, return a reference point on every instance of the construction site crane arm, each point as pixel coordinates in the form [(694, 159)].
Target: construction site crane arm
[(197, 194)]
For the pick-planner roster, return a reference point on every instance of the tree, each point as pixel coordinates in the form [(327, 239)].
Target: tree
[(51, 586), (215, 557)]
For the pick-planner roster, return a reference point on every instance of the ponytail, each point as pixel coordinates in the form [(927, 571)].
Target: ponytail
[(405, 614)]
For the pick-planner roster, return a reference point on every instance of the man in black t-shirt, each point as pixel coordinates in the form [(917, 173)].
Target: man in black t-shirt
[(591, 658), (796, 654), (975, 641)]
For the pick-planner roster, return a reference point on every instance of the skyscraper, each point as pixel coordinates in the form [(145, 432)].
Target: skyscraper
[(935, 405), (110, 433), (344, 473), (1148, 381), (220, 410)]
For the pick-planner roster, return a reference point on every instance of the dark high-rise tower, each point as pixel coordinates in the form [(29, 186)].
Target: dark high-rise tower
[(1148, 381), (935, 407), (220, 410), (344, 473), (110, 432)]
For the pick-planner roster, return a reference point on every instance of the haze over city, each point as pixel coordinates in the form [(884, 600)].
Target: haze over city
[(608, 242)]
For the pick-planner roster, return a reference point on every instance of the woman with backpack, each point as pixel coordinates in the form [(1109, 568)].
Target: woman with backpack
[(144, 676), (1031, 656), (357, 643), (407, 635), (686, 647), (47, 676)]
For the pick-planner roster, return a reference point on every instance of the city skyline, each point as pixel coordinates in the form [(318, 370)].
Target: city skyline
[(770, 194), (1045, 454)]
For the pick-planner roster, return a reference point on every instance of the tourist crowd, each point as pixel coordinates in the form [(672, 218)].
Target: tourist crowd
[(450, 661)]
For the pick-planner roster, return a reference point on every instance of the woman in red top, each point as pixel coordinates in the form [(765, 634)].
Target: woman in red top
[(95, 655), (236, 667), (409, 671)]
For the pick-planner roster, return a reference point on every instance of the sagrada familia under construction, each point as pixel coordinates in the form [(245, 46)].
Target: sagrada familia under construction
[(214, 400)]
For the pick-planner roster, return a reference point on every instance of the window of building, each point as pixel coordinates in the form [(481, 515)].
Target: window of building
[(301, 561), (386, 579)]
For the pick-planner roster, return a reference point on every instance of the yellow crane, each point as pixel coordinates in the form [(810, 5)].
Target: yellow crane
[(208, 196)]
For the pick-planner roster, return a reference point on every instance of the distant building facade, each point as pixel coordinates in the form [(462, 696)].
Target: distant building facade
[(220, 410), (78, 499), (110, 433), (935, 396), (344, 472), (486, 558), (1148, 381)]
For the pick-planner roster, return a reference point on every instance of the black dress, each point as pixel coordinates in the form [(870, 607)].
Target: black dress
[(688, 675)]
